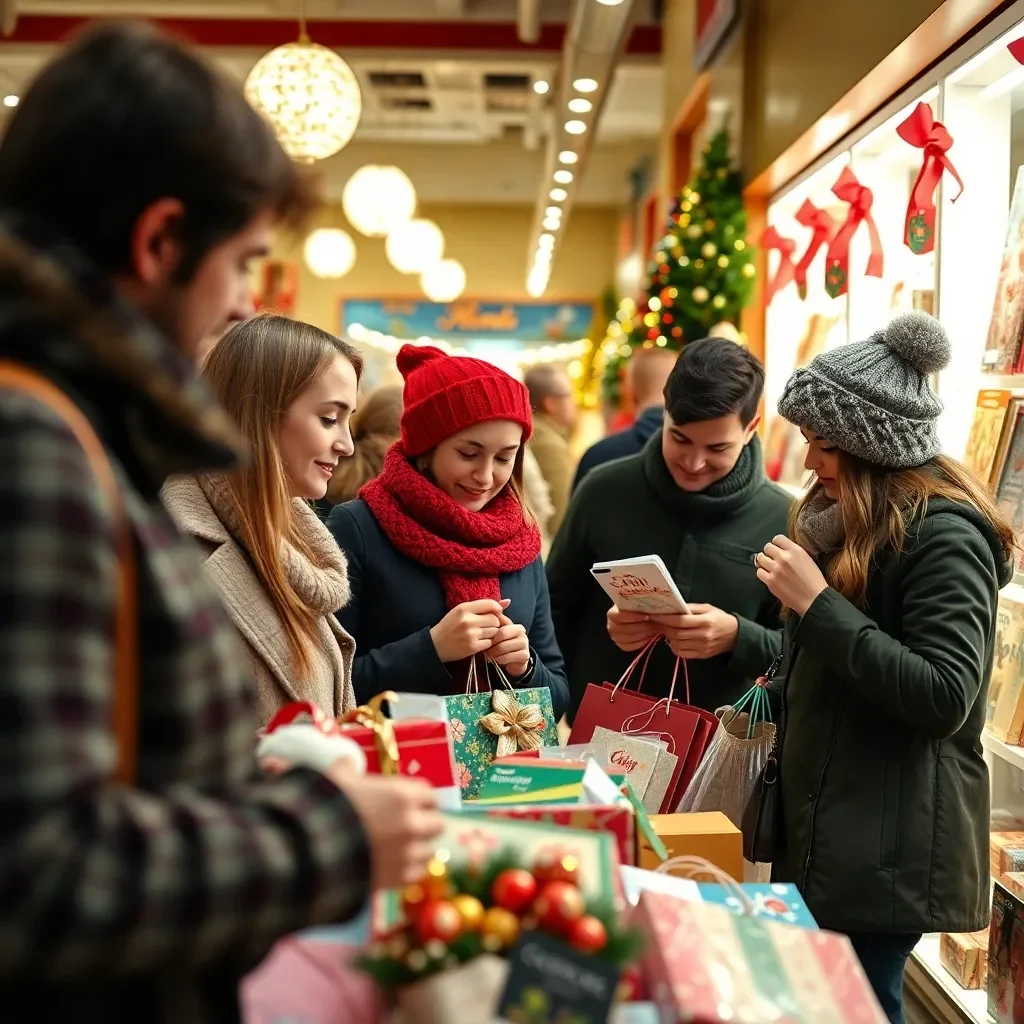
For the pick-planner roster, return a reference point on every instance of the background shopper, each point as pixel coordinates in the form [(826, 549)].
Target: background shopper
[(891, 587), (554, 416), (443, 551), (290, 388)]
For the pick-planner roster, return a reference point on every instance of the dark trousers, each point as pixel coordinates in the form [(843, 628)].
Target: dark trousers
[(883, 958)]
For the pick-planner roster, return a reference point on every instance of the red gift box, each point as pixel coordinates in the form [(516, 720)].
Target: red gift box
[(424, 750), (708, 965)]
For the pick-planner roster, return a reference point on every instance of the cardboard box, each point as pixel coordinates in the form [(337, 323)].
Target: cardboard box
[(710, 835), (997, 843), (965, 957), (1014, 882)]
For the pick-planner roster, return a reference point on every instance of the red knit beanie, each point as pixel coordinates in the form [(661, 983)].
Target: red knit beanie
[(445, 394)]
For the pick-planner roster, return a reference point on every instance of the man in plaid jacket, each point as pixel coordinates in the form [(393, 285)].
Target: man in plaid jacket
[(135, 189)]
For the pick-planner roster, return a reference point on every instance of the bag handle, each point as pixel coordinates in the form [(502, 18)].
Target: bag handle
[(472, 676), (692, 867), (645, 656), (125, 711)]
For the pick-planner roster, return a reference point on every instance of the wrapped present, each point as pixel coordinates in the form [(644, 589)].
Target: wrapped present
[(710, 835), (965, 957), (497, 723), (707, 965), (997, 843)]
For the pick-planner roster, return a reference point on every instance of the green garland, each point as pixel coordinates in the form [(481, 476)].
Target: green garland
[(391, 971)]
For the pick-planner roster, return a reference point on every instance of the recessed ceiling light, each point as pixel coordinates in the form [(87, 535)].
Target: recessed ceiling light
[(578, 105), (585, 85), (563, 177), (546, 241), (558, 194), (11, 100), (567, 156), (575, 127), (553, 211), (610, 3), (540, 87), (552, 223)]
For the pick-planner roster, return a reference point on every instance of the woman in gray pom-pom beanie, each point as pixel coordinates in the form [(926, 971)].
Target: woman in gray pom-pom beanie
[(891, 584)]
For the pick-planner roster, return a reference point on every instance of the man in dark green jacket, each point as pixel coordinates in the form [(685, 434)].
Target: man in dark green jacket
[(698, 497)]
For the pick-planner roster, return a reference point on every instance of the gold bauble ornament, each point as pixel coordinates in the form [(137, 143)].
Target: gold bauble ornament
[(677, 251), (471, 910), (699, 264), (709, 250), (659, 257), (500, 929), (748, 270), (739, 245), (700, 294), (687, 207), (718, 302), (684, 220), (436, 883)]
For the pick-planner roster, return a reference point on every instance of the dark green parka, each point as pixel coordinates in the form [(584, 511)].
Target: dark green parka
[(885, 790)]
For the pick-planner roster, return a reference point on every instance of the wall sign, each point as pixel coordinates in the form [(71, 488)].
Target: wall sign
[(468, 320), (714, 19)]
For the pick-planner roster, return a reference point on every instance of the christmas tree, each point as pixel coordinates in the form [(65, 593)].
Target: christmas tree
[(702, 274)]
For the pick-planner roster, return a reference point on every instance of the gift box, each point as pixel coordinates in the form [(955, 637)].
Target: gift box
[(997, 843), (707, 965), (965, 957), (1005, 955), (710, 835)]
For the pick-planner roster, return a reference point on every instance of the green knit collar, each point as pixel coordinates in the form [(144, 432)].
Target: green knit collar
[(724, 495)]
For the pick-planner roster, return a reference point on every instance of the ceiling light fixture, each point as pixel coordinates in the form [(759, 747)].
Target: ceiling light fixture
[(378, 199), (558, 194), (578, 105), (329, 252), (445, 281), (414, 246), (575, 127), (563, 177), (11, 101), (552, 223), (553, 211), (585, 85), (546, 241), (567, 156), (610, 3), (540, 87)]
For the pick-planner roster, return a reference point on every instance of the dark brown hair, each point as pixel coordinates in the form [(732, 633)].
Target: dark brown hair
[(125, 117), (375, 427)]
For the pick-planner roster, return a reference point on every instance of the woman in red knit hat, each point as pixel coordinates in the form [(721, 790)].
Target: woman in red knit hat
[(443, 552)]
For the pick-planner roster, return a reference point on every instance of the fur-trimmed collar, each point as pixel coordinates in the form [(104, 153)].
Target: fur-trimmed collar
[(61, 316)]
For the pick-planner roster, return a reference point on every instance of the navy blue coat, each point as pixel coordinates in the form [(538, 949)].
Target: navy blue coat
[(396, 600), (626, 442)]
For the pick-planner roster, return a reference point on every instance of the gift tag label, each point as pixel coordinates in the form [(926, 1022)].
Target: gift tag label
[(551, 982), (636, 757)]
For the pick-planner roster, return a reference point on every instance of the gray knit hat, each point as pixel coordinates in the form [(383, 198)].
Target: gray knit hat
[(872, 398)]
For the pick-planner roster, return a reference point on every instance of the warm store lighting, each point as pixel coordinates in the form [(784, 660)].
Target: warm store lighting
[(567, 156), (575, 127), (563, 177), (11, 100), (578, 105), (414, 246), (329, 252), (585, 85), (541, 87), (558, 194), (378, 199), (445, 281)]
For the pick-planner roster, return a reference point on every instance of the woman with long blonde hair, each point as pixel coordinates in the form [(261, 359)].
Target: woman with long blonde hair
[(443, 550), (291, 389), (891, 584)]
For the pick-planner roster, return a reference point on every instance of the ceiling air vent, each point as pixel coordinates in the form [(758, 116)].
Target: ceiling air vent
[(397, 80), (406, 103), (507, 82)]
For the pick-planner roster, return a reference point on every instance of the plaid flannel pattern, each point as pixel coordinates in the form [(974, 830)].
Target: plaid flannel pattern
[(204, 861)]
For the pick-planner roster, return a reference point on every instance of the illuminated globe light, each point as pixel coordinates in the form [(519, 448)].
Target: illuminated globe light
[(553, 211), (575, 127), (552, 223), (567, 156), (585, 85), (563, 177), (558, 194), (329, 252), (414, 246), (310, 97), (378, 199), (445, 281), (578, 105)]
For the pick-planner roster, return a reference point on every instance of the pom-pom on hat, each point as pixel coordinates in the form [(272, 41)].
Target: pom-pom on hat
[(873, 398), (445, 394)]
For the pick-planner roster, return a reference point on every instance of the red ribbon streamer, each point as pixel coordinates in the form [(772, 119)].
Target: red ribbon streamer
[(771, 239), (820, 222), (924, 132), (837, 263)]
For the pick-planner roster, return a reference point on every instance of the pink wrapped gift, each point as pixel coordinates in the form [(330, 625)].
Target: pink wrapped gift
[(707, 965)]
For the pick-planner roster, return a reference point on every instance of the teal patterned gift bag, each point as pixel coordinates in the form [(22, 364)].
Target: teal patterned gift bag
[(495, 722)]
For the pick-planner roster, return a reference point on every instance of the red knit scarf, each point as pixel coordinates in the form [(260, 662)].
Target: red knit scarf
[(468, 549)]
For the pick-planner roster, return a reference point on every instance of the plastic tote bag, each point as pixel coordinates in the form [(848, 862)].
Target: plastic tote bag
[(728, 774)]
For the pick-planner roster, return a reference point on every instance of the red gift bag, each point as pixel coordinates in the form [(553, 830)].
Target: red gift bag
[(619, 709)]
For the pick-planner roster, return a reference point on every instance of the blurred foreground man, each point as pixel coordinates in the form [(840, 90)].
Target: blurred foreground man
[(135, 190)]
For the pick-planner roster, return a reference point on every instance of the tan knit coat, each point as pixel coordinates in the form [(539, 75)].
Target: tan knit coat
[(204, 508)]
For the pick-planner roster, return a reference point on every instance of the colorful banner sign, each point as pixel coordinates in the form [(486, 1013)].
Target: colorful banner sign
[(467, 320)]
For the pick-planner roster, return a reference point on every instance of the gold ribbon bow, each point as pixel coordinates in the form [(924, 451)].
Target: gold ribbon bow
[(517, 726), (371, 716)]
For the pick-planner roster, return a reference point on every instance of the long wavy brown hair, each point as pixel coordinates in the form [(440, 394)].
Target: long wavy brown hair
[(256, 371), (877, 506)]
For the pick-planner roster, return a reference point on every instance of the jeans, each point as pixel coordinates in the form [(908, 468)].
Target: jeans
[(883, 958)]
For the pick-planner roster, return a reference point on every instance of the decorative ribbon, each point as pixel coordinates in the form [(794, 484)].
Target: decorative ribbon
[(371, 717), (287, 715), (771, 239), (820, 222), (924, 132), (517, 726), (837, 262)]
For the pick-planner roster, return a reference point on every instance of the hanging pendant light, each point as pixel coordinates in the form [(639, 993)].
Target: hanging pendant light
[(377, 200), (329, 252)]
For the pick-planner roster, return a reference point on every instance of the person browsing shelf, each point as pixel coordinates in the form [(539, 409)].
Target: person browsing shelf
[(443, 550)]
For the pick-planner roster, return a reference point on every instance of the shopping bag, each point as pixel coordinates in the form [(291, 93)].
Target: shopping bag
[(630, 712), (728, 774), (491, 723)]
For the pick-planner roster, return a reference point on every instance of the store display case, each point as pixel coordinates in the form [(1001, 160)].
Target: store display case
[(973, 281)]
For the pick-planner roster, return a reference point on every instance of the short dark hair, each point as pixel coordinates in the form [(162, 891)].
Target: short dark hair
[(713, 378), (127, 116)]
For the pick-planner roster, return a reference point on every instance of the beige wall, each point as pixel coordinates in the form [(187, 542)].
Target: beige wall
[(491, 243), (679, 76)]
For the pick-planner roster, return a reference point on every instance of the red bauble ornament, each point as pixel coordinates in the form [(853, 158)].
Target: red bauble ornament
[(558, 905), (514, 889), (677, 332), (631, 985), (438, 919), (557, 866), (666, 318), (588, 935)]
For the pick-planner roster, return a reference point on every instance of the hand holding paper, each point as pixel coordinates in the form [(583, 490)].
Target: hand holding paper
[(704, 633)]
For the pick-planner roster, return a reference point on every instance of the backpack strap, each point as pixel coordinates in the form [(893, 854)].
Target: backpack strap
[(16, 377)]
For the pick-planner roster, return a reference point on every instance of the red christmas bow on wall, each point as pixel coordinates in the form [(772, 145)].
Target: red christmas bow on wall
[(771, 239), (837, 262), (924, 132), (820, 222)]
